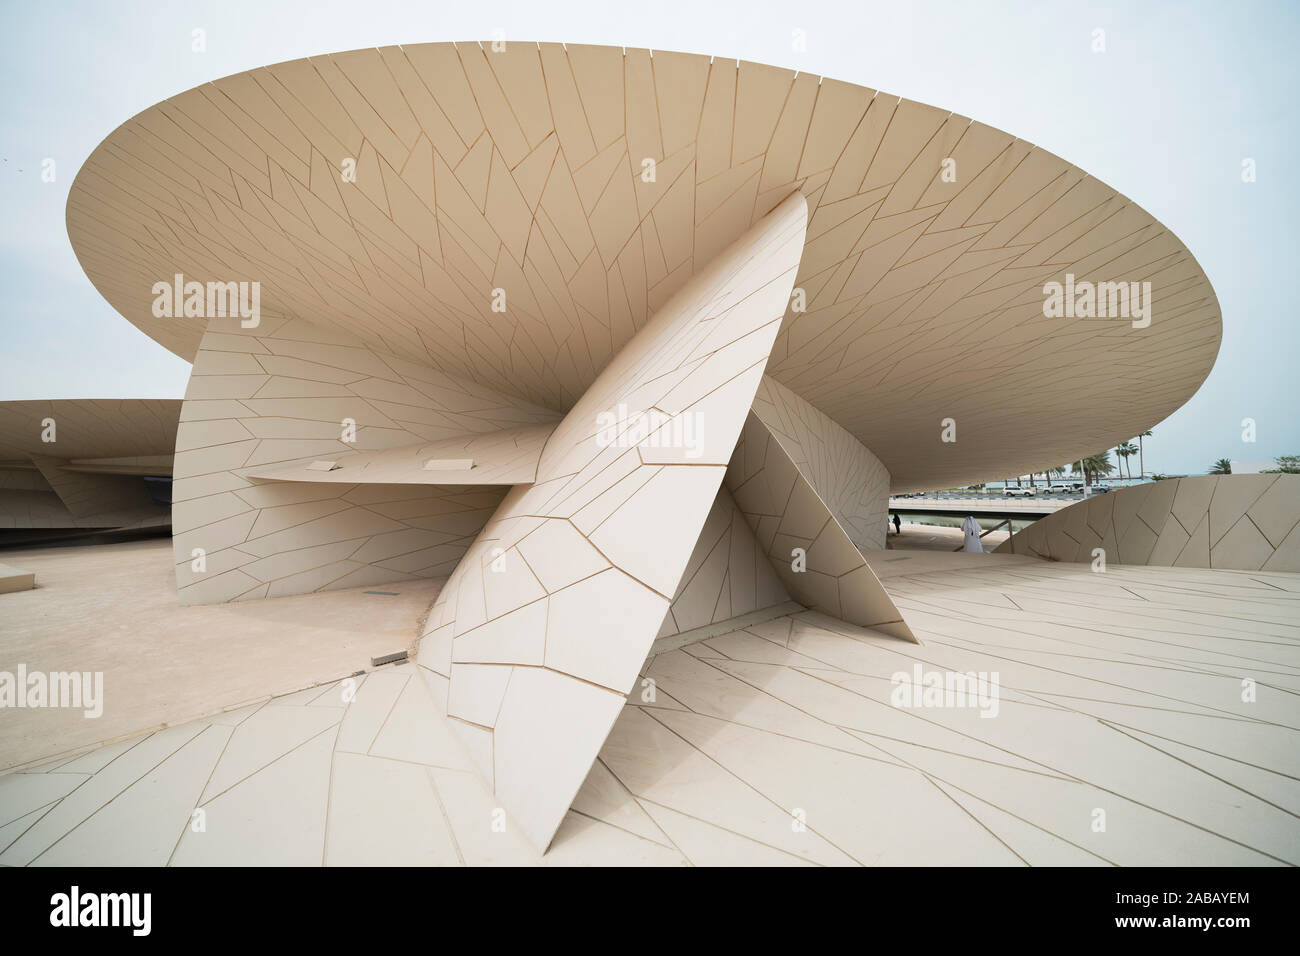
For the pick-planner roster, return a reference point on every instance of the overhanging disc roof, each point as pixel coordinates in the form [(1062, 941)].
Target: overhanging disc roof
[(523, 170), (88, 428)]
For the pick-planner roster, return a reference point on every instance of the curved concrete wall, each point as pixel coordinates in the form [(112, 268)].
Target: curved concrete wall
[(851, 481), (727, 575), (786, 513), (280, 393), (1242, 522)]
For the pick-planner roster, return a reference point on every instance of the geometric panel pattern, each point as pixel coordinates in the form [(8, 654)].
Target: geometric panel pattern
[(88, 476), (536, 639), (29, 502), (527, 310), (85, 494), (728, 574), (700, 774), (1242, 522), (288, 391), (848, 478), (389, 191), (507, 457), (89, 428), (25, 507), (786, 514), (1182, 770)]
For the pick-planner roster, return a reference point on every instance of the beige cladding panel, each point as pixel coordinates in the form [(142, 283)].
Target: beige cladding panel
[(535, 641), (98, 428), (727, 575), (80, 463), (848, 478), (22, 509), (1228, 522), (283, 394), (408, 194), (506, 457), (814, 556), (86, 494)]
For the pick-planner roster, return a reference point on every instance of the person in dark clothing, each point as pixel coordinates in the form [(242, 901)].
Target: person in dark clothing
[(898, 525)]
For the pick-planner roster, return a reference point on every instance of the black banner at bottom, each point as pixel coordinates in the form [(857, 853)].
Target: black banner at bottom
[(333, 905)]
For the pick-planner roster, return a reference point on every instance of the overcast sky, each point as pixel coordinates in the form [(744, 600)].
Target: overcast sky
[(1183, 93)]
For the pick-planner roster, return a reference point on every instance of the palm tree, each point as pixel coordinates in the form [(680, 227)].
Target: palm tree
[(1286, 465), (1099, 464), (1092, 467), (1124, 452), (1142, 470), (1222, 467)]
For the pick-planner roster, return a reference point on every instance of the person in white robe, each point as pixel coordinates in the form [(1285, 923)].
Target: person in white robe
[(972, 529)]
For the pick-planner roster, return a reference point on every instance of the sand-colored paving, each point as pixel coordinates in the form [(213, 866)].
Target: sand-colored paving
[(1121, 737), (113, 609)]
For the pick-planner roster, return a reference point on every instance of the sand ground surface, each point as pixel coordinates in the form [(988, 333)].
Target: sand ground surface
[(1119, 731), (113, 608)]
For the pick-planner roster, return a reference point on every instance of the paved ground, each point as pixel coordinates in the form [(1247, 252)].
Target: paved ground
[(113, 608), (1120, 737), (927, 537)]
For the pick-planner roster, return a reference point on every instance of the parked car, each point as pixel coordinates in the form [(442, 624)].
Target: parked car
[(1100, 490), (1060, 489), (1019, 492)]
